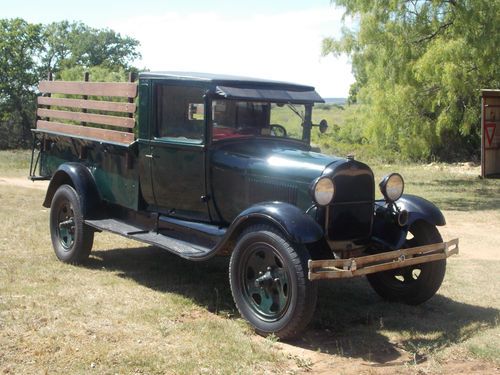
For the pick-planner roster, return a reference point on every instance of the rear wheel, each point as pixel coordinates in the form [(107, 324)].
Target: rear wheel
[(413, 284), (72, 240), (269, 283)]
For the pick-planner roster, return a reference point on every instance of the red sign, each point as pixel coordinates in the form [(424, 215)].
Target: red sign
[(489, 130)]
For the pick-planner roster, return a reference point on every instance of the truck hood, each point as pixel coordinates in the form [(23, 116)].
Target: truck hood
[(273, 160), (250, 171)]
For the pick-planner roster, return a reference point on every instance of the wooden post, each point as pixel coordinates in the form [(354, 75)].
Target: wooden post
[(49, 78), (129, 159), (131, 79), (86, 76)]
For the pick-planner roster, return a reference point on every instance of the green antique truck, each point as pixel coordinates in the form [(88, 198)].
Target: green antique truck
[(203, 165)]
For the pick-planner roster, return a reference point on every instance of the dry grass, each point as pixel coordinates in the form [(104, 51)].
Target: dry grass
[(130, 309), (135, 309)]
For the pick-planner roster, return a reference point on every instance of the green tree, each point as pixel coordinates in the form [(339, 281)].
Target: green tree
[(29, 51), (19, 42), (75, 44), (419, 66)]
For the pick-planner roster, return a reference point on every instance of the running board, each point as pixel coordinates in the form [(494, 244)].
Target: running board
[(182, 248)]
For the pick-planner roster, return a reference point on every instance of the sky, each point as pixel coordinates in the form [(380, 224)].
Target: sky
[(274, 39)]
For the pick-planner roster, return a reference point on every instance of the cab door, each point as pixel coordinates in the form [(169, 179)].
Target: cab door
[(178, 151)]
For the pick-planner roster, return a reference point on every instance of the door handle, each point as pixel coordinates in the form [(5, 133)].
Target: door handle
[(151, 156)]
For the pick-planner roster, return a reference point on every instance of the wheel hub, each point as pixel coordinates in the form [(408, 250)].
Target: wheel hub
[(66, 226), (267, 280), (266, 283)]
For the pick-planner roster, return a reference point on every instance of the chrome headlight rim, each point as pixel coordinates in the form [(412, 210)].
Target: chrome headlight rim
[(392, 187), (323, 190)]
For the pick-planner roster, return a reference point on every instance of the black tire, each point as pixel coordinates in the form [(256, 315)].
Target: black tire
[(269, 282), (412, 285), (72, 240)]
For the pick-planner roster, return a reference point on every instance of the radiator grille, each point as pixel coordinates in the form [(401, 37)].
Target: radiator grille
[(261, 191), (350, 216)]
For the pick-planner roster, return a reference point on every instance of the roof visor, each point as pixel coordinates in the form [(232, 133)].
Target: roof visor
[(272, 95)]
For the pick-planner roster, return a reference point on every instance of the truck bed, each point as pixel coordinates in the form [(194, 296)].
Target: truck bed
[(102, 118)]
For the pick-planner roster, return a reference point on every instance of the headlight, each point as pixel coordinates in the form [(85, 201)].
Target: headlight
[(392, 187), (323, 191)]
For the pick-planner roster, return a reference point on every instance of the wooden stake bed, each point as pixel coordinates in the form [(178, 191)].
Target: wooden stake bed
[(346, 268), (71, 116)]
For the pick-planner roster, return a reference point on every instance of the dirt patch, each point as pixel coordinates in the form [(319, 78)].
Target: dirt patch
[(477, 231), (24, 182), (303, 360), (306, 360)]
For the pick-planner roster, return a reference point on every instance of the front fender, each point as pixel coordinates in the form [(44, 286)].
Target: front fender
[(78, 176), (388, 232), (420, 209), (293, 222)]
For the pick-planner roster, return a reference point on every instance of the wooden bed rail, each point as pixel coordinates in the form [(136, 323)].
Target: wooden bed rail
[(71, 115)]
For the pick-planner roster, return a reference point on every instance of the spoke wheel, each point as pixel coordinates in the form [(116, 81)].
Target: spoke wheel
[(71, 239), (268, 277), (417, 283)]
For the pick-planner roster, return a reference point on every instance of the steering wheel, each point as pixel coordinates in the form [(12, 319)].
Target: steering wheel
[(247, 130), (278, 130)]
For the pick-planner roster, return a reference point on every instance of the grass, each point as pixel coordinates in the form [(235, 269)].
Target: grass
[(130, 309), (449, 186), (136, 309), (15, 163)]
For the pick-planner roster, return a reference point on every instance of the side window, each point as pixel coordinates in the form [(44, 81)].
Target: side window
[(180, 113)]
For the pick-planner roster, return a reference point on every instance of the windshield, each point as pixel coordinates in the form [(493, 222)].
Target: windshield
[(235, 119)]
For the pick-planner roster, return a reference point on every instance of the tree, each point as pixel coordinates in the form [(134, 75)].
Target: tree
[(75, 44), (19, 42), (29, 51), (419, 65)]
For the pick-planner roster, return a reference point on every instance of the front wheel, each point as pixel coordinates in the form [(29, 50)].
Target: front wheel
[(417, 283), (72, 239), (269, 283)]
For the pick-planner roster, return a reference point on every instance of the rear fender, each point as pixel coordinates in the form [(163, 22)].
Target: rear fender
[(79, 177)]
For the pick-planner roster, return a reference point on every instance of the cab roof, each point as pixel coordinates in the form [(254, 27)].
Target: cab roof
[(238, 87)]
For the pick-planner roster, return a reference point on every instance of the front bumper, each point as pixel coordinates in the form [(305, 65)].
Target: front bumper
[(345, 268)]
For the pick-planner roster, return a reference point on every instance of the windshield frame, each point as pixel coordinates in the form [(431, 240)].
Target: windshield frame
[(306, 118)]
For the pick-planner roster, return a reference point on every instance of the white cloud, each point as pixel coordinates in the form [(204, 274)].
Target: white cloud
[(284, 46)]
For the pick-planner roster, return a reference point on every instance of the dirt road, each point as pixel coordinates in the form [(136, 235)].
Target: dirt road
[(24, 182)]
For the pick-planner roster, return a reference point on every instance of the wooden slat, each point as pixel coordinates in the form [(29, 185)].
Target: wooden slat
[(122, 89), (123, 122), (88, 104), (86, 131)]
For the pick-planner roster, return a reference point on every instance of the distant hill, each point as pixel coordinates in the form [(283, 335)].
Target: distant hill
[(339, 101)]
